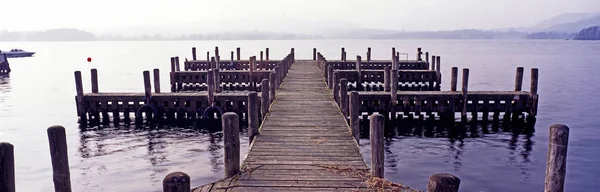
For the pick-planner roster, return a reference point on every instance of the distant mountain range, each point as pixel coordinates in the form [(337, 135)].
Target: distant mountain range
[(563, 26)]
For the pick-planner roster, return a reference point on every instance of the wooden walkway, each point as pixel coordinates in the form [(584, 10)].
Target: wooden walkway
[(304, 144)]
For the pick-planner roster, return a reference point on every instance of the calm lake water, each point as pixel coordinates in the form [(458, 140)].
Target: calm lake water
[(40, 93)]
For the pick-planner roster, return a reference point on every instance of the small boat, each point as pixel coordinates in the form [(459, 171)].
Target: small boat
[(15, 53)]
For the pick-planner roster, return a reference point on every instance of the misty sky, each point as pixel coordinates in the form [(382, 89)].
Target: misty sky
[(282, 15)]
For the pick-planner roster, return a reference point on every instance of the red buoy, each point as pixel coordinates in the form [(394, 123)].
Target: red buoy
[(89, 59)]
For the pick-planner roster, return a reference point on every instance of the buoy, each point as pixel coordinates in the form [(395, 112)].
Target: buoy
[(89, 59)]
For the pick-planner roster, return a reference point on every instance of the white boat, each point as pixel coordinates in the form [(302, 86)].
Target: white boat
[(14, 53)]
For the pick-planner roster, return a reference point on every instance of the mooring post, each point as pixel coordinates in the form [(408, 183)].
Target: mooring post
[(79, 89), (427, 57), (231, 141), (443, 182), (210, 86), (336, 87), (556, 167), (94, 80), (519, 79), (314, 53), (393, 54), (156, 81), (394, 62), (267, 53), (359, 71), (264, 97), (433, 62), (194, 53), (253, 115), (345, 64), (213, 63), (368, 55), (147, 87), (251, 69), (208, 63), (278, 74), (330, 77), (261, 63), (344, 96), (177, 64), (176, 182), (438, 67), (465, 84), (7, 167), (386, 79), (217, 77), (419, 53), (533, 88), (377, 156), (272, 86), (232, 63), (60, 158), (217, 54), (354, 114), (394, 87), (238, 53), (343, 51), (454, 79)]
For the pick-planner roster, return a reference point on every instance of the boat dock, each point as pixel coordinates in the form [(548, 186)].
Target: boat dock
[(303, 116)]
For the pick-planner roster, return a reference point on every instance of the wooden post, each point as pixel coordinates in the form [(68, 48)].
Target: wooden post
[(177, 64), (194, 53), (465, 85), (314, 53), (368, 54), (386, 79), (79, 89), (393, 54), (176, 182), (264, 96), (217, 80), (251, 69), (394, 62), (336, 87), (519, 79), (394, 87), (454, 79), (217, 54), (156, 81), (443, 182), (147, 86), (7, 167), (330, 77), (359, 71), (419, 53), (377, 156), (343, 51), (272, 86), (427, 57), (354, 114), (279, 75), (208, 63), (94, 80), (253, 115), (60, 158), (261, 63), (238, 53), (433, 62), (556, 167), (231, 63), (438, 63), (210, 86), (267, 53), (534, 82), (231, 141), (344, 96)]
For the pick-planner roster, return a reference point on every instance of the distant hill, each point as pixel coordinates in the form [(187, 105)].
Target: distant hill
[(65, 34), (576, 26), (592, 33), (553, 24)]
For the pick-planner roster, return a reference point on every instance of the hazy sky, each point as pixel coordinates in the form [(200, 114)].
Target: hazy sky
[(218, 15)]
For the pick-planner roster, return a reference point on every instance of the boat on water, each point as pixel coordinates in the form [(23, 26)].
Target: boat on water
[(14, 53)]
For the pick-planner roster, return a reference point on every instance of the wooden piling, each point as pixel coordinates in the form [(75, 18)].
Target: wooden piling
[(60, 158), (278, 74), (7, 167), (386, 79), (78, 84), (368, 54), (261, 63), (377, 156), (217, 53), (217, 79), (358, 69), (253, 115), (556, 166), (147, 86), (156, 81), (251, 69), (194, 53), (264, 96), (394, 62), (437, 65), (419, 53), (267, 53), (343, 51), (231, 59), (344, 96), (237, 50), (330, 77), (210, 86), (336, 87), (94, 74), (393, 55), (314, 53), (533, 88), (465, 86), (354, 114), (177, 64), (443, 182), (433, 62), (231, 143), (454, 79), (427, 57), (394, 87), (519, 79), (272, 86), (176, 182), (208, 58)]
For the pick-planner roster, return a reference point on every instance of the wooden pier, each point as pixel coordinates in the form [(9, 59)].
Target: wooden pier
[(4, 65)]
